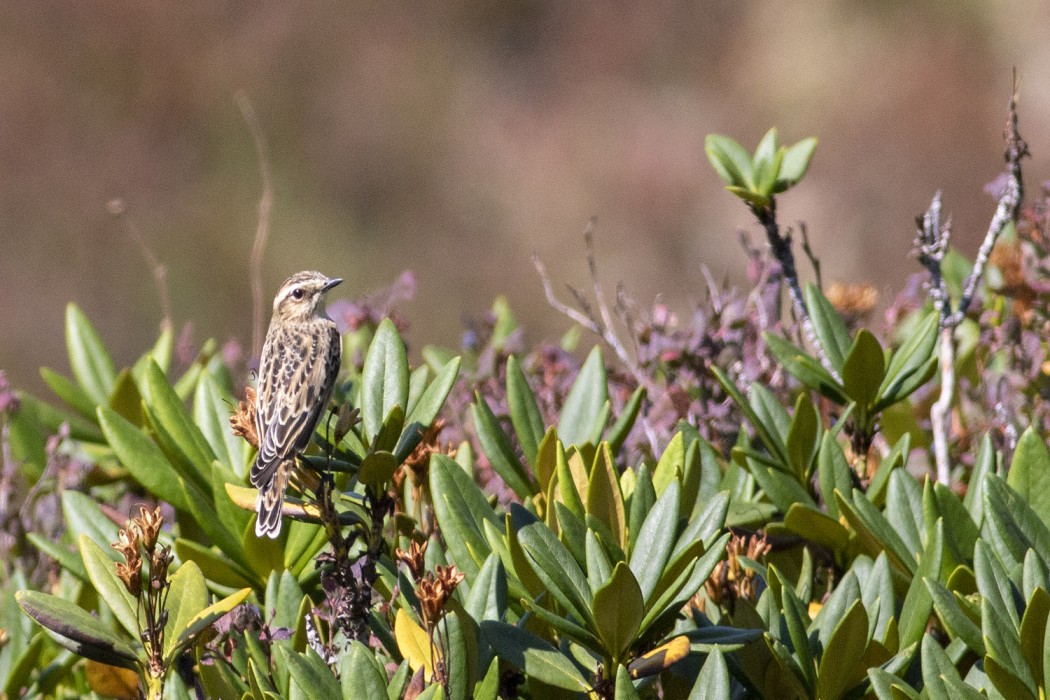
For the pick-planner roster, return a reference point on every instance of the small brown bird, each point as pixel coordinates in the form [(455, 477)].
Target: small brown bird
[(297, 371)]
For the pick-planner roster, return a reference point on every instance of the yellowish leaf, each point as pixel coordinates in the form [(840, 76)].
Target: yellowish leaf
[(660, 658), (112, 682), (414, 644)]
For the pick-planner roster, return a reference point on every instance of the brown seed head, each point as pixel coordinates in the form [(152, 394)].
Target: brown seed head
[(413, 558), (149, 523), (242, 422), (854, 301)]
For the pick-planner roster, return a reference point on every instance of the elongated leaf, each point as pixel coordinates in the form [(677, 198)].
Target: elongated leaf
[(655, 541), (558, 570), (488, 592), (524, 412), (207, 617), (713, 681), (76, 629), (618, 608), (604, 500), (311, 674), (805, 368), (803, 436), (384, 378), (863, 370), (730, 160), (533, 655), (619, 431), (955, 621), (585, 404), (795, 163), (102, 572), (178, 423), (461, 507), (840, 666), (69, 392), (1029, 473), (429, 405), (828, 325), (363, 678), (91, 363), (499, 450), (909, 361), (143, 458)]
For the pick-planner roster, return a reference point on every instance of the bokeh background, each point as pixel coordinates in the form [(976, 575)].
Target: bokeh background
[(456, 138)]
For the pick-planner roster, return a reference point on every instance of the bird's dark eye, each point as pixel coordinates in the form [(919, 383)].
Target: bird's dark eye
[(297, 293)]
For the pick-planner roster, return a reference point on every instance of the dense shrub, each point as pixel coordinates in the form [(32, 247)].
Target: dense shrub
[(739, 503)]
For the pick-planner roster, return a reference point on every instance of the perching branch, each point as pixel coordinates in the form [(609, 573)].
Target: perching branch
[(262, 229), (780, 244), (932, 244)]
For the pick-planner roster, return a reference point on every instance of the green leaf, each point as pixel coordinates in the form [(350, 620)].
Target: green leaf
[(841, 665), (833, 473), (619, 431), (487, 599), (599, 568), (187, 596), (764, 432), (713, 681), (429, 405), (143, 458), (863, 370), (803, 436), (177, 422), (617, 609), (730, 160), (1029, 473), (91, 363), (102, 572), (957, 623), (585, 404), (817, 527), (625, 689), (1011, 525), (652, 544), (384, 378), (310, 673), (795, 163), (1033, 631), (76, 629), (828, 325), (207, 617), (363, 677), (915, 612), (805, 368), (604, 500), (499, 450), (911, 364), (533, 655), (524, 412), (461, 507), (558, 570), (797, 620), (83, 516), (65, 389), (211, 413)]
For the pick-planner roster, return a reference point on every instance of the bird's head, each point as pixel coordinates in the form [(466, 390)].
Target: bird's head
[(301, 297)]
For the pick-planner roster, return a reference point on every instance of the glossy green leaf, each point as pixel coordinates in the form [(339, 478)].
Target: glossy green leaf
[(797, 621), (187, 596), (805, 368), (730, 160), (426, 409), (863, 369), (384, 378), (956, 622), (499, 449), (828, 325), (618, 607), (487, 599), (712, 683), (619, 431), (101, 570), (625, 689), (1029, 473), (524, 412), (311, 674), (817, 527), (604, 500), (364, 677), (1011, 526), (207, 617), (795, 163), (143, 458), (911, 364), (585, 405), (918, 605), (599, 568), (558, 570), (67, 390), (1033, 631), (803, 436), (461, 507), (177, 422), (76, 629), (841, 665), (89, 359), (533, 655)]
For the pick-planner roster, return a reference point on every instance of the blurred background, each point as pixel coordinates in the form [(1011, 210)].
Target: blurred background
[(454, 139)]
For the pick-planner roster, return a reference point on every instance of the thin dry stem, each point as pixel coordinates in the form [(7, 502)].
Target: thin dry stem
[(118, 208)]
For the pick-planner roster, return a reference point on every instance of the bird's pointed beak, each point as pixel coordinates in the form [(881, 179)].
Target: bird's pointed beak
[(331, 283)]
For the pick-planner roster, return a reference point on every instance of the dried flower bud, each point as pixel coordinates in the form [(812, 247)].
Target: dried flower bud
[(242, 422), (158, 567), (149, 527), (413, 558), (130, 576)]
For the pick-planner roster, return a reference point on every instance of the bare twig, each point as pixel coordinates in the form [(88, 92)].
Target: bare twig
[(262, 229), (813, 259), (118, 208), (932, 244), (780, 244), (602, 324)]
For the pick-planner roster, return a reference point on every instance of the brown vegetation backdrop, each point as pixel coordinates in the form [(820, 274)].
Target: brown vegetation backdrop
[(456, 138)]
